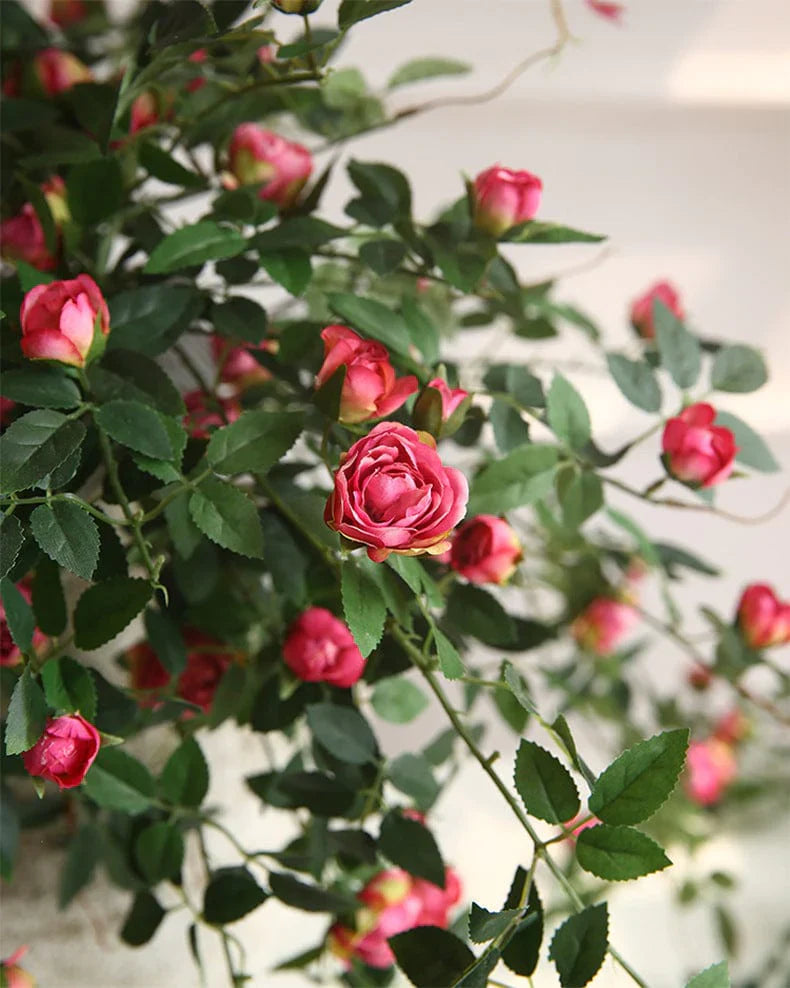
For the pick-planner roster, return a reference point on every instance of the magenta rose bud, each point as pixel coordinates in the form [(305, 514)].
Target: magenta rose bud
[(502, 198), (485, 550), (61, 320), (393, 494), (238, 366), (64, 752), (261, 157), (150, 108), (696, 451), (203, 417), (603, 624), (642, 308), (370, 389), (319, 648), (710, 768), (763, 619), (57, 71)]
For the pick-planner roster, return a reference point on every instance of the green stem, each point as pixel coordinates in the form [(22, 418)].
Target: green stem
[(85, 505), (187, 485)]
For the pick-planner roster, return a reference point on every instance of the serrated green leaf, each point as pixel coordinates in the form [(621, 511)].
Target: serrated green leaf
[(117, 781), (544, 784), (522, 477), (715, 976), (738, 369), (398, 700), (411, 846), (105, 609), (35, 445), (363, 606), (352, 11), (636, 381), (254, 442), (69, 687), (12, 538), (134, 376), (27, 715), (449, 660), (618, 853), (582, 498), (231, 894), (142, 318), (522, 952), (40, 385), (289, 267), (343, 731), (68, 535), (137, 426), (49, 603), (193, 245), (227, 516), (485, 925), (412, 775), (579, 946), (185, 777), (680, 352), (474, 611), (539, 232), (373, 319), (430, 956), (18, 615)]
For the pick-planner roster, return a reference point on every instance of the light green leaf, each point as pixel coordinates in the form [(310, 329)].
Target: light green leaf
[(398, 700), (522, 477), (412, 775), (753, 450), (738, 369), (715, 976), (449, 660), (680, 352), (426, 68), (636, 381), (567, 413)]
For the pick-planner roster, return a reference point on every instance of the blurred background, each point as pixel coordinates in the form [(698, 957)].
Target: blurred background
[(670, 133)]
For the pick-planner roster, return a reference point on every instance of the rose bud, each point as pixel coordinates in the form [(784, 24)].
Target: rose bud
[(296, 6), (700, 676), (203, 417), (319, 648), (64, 752), (57, 71), (9, 653), (150, 108), (266, 54), (7, 407), (392, 493), (261, 157), (440, 409), (763, 619), (642, 315), (732, 727), (602, 624), (611, 11), (22, 239), (198, 57), (697, 452), (12, 975), (485, 549), (502, 198), (64, 13), (370, 388), (710, 768), (64, 321), (237, 364)]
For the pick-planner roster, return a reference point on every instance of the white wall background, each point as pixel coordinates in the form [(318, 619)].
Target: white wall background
[(670, 133)]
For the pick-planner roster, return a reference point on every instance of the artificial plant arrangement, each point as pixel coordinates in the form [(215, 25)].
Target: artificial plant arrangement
[(307, 512)]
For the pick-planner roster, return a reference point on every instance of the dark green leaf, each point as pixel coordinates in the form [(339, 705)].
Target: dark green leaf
[(510, 707), (410, 845), (40, 385), (522, 952), (430, 956), (183, 531), (18, 615), (343, 731), (382, 256), (485, 925), (567, 413), (715, 976), (112, 556), (289, 267), (579, 946), (449, 660), (231, 894), (752, 449), (633, 787), (9, 834), (254, 442), (412, 775), (184, 779), (618, 853), (636, 381), (95, 190), (49, 604), (166, 640), (164, 166), (673, 556), (544, 784), (473, 611), (385, 190), (68, 535), (134, 376), (226, 698), (422, 329), (137, 426), (69, 687), (193, 245), (536, 232), (581, 498), (240, 318), (301, 232), (12, 538), (287, 562), (27, 715), (510, 430), (373, 319), (227, 516), (105, 609), (522, 477), (363, 606), (94, 106), (738, 369), (310, 898), (159, 850), (426, 68), (319, 793), (680, 352), (35, 445), (141, 317), (81, 859), (142, 920), (117, 781), (398, 700)]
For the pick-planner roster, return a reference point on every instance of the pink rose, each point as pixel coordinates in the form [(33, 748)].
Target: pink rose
[(198, 57), (319, 648), (59, 320), (57, 71), (239, 367), (12, 975), (485, 549), (9, 653), (203, 417), (150, 108), (503, 198), (763, 619), (602, 624), (393, 494), (611, 11), (710, 768), (696, 451), (452, 398), (64, 13), (642, 308), (64, 752), (22, 238), (259, 156), (370, 388)]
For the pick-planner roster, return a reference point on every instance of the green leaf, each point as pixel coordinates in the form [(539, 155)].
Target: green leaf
[(410, 845), (537, 232), (303, 232), (582, 498), (373, 319), (522, 952), (363, 606), (382, 256), (422, 329), (159, 164), (343, 731), (94, 106), (567, 413), (518, 687), (69, 687), (142, 920), (240, 318), (254, 442), (579, 946), (412, 775), (618, 853), (18, 615), (715, 976), (310, 898), (95, 190), (82, 857), (231, 894), (117, 781), (753, 450), (426, 68), (290, 267), (633, 787), (673, 556), (159, 850), (134, 376), (398, 700), (485, 925), (35, 445), (385, 192), (680, 352), (166, 640), (227, 516), (137, 426), (288, 563), (27, 715), (12, 538), (352, 11), (321, 794), (184, 779), (636, 381), (522, 477), (142, 317), (430, 956), (473, 611), (510, 430), (68, 535), (449, 660), (105, 609), (544, 784), (40, 385), (739, 369), (193, 245)]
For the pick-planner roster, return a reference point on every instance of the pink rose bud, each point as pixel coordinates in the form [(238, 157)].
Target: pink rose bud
[(64, 13), (238, 366), (696, 451), (642, 308), (611, 11), (57, 71), (392, 493), (266, 54), (319, 648), (452, 398), (203, 416), (22, 239), (370, 389), (485, 549), (12, 975), (207, 661), (732, 727), (603, 624), (198, 58), (64, 752), (700, 677), (64, 320), (150, 108), (710, 768), (440, 409), (763, 619), (503, 198), (261, 157), (9, 653)]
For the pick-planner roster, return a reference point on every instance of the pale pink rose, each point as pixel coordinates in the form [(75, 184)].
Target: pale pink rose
[(611, 11), (64, 752), (239, 367), (12, 975), (202, 416), (642, 308), (603, 624), (261, 157), (64, 13), (504, 198), (58, 320), (696, 451), (392, 493), (485, 549), (57, 71), (370, 388), (9, 653), (710, 768), (319, 648), (763, 619)]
